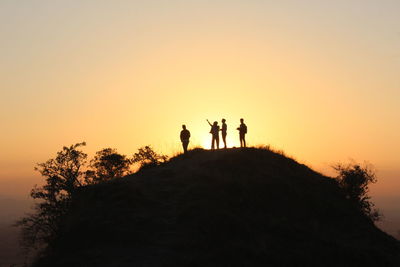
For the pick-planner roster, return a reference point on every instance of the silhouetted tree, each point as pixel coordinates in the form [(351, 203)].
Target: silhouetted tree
[(106, 165), (63, 175), (147, 157), (354, 181)]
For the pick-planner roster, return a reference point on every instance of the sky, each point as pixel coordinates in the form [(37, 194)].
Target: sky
[(318, 79)]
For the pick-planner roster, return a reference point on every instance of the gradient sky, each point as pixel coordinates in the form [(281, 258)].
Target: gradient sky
[(318, 79)]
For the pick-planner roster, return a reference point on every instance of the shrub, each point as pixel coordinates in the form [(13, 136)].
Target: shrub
[(354, 180), (107, 164), (147, 157)]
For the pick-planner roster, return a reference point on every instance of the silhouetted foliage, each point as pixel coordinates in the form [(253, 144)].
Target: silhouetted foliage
[(63, 175), (107, 164), (354, 181), (235, 207), (147, 157)]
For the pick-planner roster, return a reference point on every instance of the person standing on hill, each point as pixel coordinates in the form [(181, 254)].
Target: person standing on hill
[(185, 135), (242, 133), (215, 134), (223, 131)]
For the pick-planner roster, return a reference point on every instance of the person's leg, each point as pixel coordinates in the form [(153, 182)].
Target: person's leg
[(212, 142), (244, 140), (185, 146), (224, 139), (217, 140)]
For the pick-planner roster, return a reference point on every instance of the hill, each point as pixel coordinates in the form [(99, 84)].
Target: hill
[(235, 207)]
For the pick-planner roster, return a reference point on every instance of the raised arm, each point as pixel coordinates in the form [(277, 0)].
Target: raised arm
[(209, 122)]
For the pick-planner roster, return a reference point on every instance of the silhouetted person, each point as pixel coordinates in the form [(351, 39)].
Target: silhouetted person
[(242, 133), (215, 134), (185, 135), (223, 131)]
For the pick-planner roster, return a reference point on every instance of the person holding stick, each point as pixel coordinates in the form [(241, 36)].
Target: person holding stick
[(215, 134)]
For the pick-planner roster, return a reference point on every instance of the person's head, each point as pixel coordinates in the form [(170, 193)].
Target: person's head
[(241, 120), (215, 123), (184, 127), (223, 120)]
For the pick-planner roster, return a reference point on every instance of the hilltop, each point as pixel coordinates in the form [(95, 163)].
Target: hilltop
[(235, 207)]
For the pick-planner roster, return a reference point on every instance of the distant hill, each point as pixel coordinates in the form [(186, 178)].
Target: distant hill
[(235, 207)]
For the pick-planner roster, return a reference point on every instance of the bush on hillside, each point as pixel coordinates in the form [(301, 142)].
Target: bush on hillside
[(354, 181), (147, 157), (107, 164)]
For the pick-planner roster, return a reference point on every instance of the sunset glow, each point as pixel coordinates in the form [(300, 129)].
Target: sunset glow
[(316, 79)]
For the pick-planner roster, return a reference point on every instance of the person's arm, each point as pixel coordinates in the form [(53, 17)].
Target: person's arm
[(209, 122)]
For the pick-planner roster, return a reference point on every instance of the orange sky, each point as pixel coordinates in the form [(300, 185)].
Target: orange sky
[(319, 79)]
